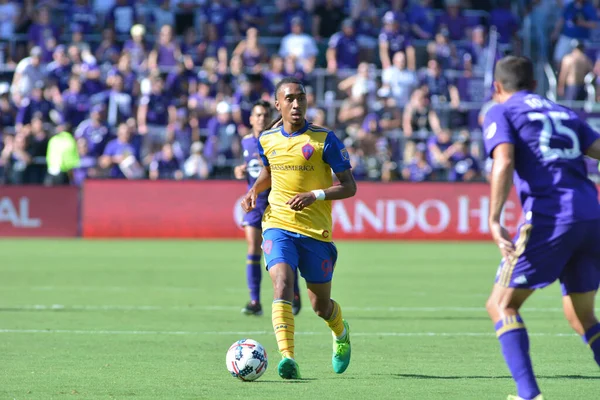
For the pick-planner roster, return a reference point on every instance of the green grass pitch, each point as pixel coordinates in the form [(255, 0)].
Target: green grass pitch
[(153, 320)]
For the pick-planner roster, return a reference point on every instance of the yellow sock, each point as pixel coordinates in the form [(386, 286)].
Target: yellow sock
[(283, 324), (335, 321)]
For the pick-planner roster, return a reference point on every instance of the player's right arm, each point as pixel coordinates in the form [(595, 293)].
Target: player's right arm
[(263, 182)]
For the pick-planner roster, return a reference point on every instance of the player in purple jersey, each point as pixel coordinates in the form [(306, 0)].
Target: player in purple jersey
[(259, 118), (543, 144)]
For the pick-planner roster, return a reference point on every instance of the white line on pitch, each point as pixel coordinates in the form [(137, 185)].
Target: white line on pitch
[(250, 333), (59, 307)]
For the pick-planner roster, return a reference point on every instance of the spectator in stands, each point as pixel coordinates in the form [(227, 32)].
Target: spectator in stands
[(161, 15), (28, 73), (327, 19), (87, 164), (422, 19), (418, 170), (440, 150), (453, 20), (108, 51), (124, 69), (465, 167), (293, 10), (9, 15), (187, 15), (118, 103), (443, 50), (189, 46), (78, 40), (165, 165), (477, 56), (8, 113), (418, 122), (393, 40), (223, 141), (398, 80), (366, 17), (212, 46), (117, 151), (573, 70), (300, 46), (343, 51), (94, 131), (196, 166), (252, 53), (505, 21), (75, 104), (166, 53), (578, 19), (37, 148), (249, 15), (43, 34), (156, 110), (59, 70), (137, 48), (122, 17), (81, 17), (218, 14), (360, 87), (36, 103), (438, 86), (15, 159)]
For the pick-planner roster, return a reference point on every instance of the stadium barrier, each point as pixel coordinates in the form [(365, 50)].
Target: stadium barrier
[(37, 211), (211, 209)]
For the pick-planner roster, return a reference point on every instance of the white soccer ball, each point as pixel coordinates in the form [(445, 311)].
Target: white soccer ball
[(246, 360)]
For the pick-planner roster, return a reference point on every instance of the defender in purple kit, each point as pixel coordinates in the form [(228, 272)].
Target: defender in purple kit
[(544, 145), (259, 118)]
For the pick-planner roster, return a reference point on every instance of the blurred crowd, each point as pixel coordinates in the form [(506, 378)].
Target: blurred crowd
[(163, 89)]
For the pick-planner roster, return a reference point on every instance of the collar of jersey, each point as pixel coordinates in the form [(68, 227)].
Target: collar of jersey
[(298, 132)]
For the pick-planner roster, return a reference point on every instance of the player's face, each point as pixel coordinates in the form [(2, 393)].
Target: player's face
[(291, 103), (258, 118)]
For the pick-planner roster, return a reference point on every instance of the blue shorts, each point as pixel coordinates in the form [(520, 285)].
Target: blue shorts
[(254, 218), (569, 253), (314, 258)]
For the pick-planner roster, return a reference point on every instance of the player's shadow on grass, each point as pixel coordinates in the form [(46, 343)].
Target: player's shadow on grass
[(421, 318), (301, 380), (439, 377)]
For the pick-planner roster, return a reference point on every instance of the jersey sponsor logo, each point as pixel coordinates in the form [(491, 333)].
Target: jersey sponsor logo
[(267, 246), (308, 151), (303, 168), (345, 155)]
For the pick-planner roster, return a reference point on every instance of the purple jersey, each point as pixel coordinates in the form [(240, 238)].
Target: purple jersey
[(550, 142), (254, 166), (397, 41), (75, 107), (346, 50)]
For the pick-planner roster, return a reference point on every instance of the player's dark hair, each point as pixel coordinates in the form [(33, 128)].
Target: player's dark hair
[(515, 73), (264, 104), (285, 81)]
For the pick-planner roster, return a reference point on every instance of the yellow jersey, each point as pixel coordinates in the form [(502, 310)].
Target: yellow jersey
[(300, 162)]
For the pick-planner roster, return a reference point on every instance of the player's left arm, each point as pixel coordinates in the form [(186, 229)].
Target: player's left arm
[(589, 140), (337, 157)]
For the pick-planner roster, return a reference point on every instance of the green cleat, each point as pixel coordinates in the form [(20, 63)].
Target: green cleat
[(341, 352), (288, 369)]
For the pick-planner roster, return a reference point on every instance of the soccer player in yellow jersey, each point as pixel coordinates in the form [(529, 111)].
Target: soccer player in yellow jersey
[(298, 161)]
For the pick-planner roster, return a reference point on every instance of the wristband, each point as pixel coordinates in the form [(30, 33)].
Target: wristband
[(319, 194)]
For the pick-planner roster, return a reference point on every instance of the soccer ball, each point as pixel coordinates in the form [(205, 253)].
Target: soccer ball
[(246, 360)]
